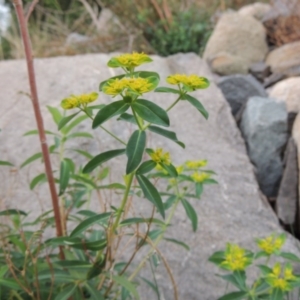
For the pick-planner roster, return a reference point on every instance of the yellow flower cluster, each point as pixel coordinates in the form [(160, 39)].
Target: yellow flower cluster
[(132, 60), (271, 243), (161, 157), (281, 281), (200, 177), (75, 101), (117, 86), (235, 258), (195, 164), (192, 81)]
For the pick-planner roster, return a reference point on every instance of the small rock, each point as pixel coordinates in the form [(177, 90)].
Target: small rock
[(287, 200), (264, 127), (285, 59), (296, 137), (288, 91), (272, 79), (236, 43), (256, 10), (237, 89), (77, 38), (260, 70)]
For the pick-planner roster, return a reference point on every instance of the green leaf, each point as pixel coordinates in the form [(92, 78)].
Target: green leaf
[(31, 159), (66, 292), (64, 176), (240, 277), (96, 268), (11, 212), (196, 103), (80, 134), (217, 258), (123, 281), (93, 246), (131, 221), (5, 163), (277, 294), (135, 150), (170, 169), (199, 189), (55, 275), (66, 120), (56, 114), (94, 293), (170, 201), (151, 193), (128, 118), (191, 213), (85, 180), (37, 180), (101, 158), (163, 89), (290, 256), (110, 110), (10, 283), (146, 167), (70, 264), (35, 131), (151, 112), (265, 270), (180, 243), (112, 186), (84, 153), (168, 134), (100, 218), (234, 296), (74, 123)]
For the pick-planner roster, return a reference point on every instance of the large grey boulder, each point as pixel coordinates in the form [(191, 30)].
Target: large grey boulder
[(237, 89), (256, 10), (236, 43), (264, 127), (231, 211)]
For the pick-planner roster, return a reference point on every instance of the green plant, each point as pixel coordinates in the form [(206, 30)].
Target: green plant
[(188, 32), (92, 265), (274, 281)]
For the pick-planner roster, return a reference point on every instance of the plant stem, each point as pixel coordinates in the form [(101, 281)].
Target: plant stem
[(123, 203), (141, 264), (39, 120), (106, 130), (174, 103), (137, 120)]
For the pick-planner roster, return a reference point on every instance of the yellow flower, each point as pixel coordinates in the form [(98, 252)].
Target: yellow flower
[(161, 157), (172, 181), (200, 177), (195, 164), (192, 81), (75, 101), (117, 86), (69, 103), (140, 85), (130, 60), (271, 243), (87, 98), (281, 281), (235, 258), (179, 169), (161, 169)]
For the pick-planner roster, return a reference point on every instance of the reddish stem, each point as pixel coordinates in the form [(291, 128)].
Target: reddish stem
[(38, 116)]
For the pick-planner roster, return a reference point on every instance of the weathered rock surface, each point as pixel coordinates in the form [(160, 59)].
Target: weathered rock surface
[(288, 91), (230, 211), (287, 199), (285, 59), (256, 10), (264, 126), (260, 70), (236, 43), (296, 137), (237, 89)]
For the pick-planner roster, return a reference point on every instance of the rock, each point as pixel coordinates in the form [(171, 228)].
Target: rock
[(272, 79), (260, 70), (237, 89), (256, 10), (108, 22), (236, 43), (77, 38), (296, 137), (288, 91), (264, 127), (230, 211), (285, 59), (287, 199)]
